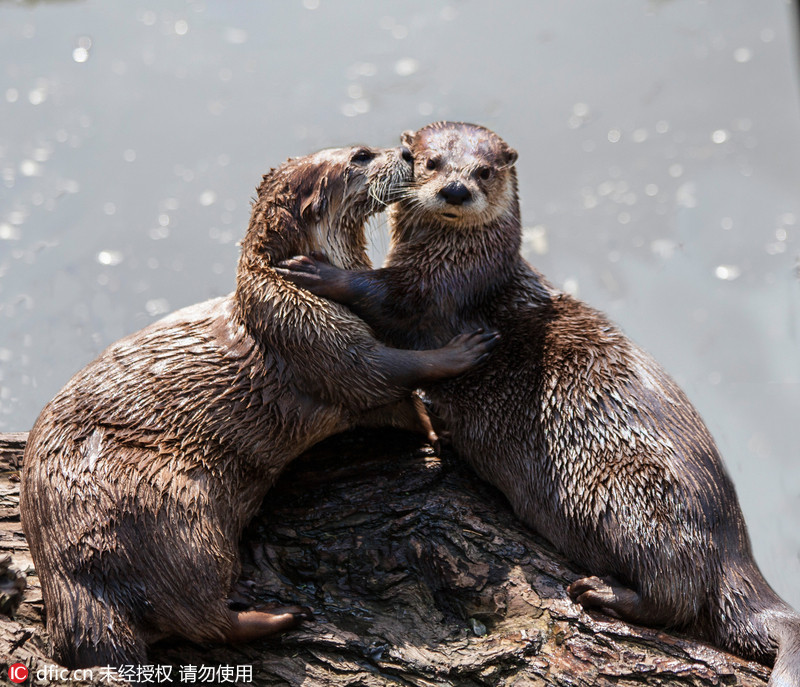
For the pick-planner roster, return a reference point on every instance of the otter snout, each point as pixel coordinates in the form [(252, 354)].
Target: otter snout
[(455, 193)]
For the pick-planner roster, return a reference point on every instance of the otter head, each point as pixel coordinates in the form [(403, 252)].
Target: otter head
[(463, 175), (338, 189), (320, 202)]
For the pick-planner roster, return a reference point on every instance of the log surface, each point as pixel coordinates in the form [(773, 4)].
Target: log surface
[(418, 574)]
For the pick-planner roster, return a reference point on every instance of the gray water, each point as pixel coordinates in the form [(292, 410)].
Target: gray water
[(659, 173)]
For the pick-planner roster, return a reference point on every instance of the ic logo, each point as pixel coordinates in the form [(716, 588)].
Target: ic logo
[(17, 673)]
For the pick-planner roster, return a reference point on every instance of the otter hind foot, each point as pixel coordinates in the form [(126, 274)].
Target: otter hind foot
[(249, 625), (610, 597)]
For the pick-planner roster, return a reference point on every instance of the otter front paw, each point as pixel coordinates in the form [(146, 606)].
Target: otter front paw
[(315, 273), (613, 599), (465, 351)]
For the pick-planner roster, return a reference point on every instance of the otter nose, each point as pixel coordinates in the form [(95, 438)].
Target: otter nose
[(405, 153), (455, 193)]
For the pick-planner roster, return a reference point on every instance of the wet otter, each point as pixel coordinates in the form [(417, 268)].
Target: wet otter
[(139, 476), (594, 445)]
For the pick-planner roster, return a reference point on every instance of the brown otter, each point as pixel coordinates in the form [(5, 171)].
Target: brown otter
[(139, 476), (594, 445)]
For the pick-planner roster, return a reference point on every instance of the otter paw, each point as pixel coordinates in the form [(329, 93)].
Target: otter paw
[(297, 613), (246, 626), (595, 594), (614, 599), (467, 350), (314, 274)]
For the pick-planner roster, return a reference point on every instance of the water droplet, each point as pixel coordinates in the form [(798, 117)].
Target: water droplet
[(208, 197), (148, 18), (580, 110), (109, 257), (157, 306), (571, 286), (767, 35), (624, 218), (181, 27), (399, 32), (159, 233), (781, 234), (37, 96), (614, 135), (651, 190), (129, 155), (311, 4), (535, 239), (406, 67), (719, 136), (727, 272), (425, 109), (163, 220), (355, 91), (662, 126), (12, 95), (109, 208), (9, 232), (675, 170), (605, 188), (726, 223), (640, 135), (29, 168), (80, 55), (742, 55)]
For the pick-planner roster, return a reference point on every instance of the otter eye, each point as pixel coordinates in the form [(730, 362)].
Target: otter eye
[(363, 155), (432, 163), (484, 173)]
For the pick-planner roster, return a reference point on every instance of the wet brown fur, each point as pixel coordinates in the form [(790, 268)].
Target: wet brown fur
[(140, 475), (594, 445)]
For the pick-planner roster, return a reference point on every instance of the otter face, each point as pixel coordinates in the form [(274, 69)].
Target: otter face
[(463, 174), (353, 182), (340, 189)]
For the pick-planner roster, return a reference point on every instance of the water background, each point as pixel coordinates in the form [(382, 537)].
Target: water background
[(659, 175)]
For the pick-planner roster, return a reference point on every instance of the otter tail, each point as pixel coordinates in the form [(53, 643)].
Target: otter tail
[(753, 621)]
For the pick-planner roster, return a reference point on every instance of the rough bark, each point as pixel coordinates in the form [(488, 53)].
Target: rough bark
[(418, 574)]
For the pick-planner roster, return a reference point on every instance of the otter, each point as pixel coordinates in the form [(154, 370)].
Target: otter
[(140, 475), (593, 444)]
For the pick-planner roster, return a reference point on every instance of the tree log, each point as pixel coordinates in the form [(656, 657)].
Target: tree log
[(418, 574)]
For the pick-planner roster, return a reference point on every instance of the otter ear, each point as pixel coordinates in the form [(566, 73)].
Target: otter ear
[(316, 203), (407, 138), (509, 156)]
